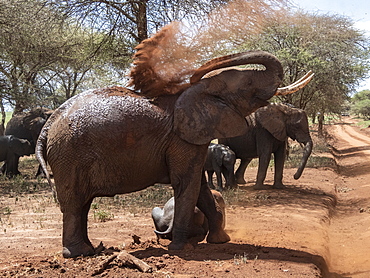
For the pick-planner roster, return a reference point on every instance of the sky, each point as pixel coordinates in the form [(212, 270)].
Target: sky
[(357, 10)]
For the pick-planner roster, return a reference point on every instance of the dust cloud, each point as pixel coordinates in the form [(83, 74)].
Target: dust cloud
[(164, 62)]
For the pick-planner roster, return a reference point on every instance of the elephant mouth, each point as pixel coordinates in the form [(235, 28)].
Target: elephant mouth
[(259, 102)]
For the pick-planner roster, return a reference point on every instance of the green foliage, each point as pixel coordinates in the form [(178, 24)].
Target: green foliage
[(103, 215), (361, 104), (329, 45), (46, 56)]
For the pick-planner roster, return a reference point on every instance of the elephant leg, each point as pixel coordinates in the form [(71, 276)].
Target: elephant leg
[(279, 159), (228, 173), (3, 168), (239, 174), (75, 239), (185, 201), (85, 212), (186, 177), (216, 219), (210, 179), (16, 163), (219, 179), (74, 244), (11, 165), (263, 163)]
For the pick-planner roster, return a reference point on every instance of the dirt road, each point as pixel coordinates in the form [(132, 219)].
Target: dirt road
[(349, 233), (318, 226)]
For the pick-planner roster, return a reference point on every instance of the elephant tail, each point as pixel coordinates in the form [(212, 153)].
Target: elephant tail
[(40, 152)]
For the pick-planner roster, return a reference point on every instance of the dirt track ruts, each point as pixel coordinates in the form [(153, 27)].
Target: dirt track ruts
[(349, 230)]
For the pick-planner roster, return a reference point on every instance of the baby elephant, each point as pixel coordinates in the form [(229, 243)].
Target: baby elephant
[(220, 159), (163, 220), (11, 148)]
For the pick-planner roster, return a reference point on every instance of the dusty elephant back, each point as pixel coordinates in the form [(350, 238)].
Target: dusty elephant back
[(84, 132)]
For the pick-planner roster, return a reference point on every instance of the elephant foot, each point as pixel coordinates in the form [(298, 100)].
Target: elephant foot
[(81, 249), (241, 181), (261, 187), (278, 185), (232, 186), (218, 237), (176, 245)]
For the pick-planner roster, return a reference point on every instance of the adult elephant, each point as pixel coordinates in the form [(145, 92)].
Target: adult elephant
[(11, 148), (267, 132), (26, 125), (114, 140)]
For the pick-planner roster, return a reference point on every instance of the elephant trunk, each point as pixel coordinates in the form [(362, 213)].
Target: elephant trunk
[(167, 233), (306, 154)]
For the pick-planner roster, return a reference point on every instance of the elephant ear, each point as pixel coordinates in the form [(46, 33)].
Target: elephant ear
[(272, 119), (219, 156), (200, 117), (14, 144)]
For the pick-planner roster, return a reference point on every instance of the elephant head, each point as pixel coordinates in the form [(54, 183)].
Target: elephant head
[(20, 147), (284, 121), (27, 125), (215, 107)]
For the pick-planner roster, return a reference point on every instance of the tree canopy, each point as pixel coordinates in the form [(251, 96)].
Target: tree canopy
[(329, 45), (361, 104)]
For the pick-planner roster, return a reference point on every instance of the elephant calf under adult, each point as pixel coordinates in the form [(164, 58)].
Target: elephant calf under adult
[(268, 130), (220, 159), (163, 219), (11, 148), (115, 140)]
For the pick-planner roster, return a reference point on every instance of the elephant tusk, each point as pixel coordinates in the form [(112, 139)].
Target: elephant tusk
[(299, 84), (299, 80)]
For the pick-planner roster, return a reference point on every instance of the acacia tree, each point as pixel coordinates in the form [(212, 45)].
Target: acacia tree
[(45, 55), (32, 39), (330, 46), (361, 103), (135, 20)]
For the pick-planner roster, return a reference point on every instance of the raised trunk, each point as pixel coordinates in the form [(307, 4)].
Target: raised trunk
[(306, 154)]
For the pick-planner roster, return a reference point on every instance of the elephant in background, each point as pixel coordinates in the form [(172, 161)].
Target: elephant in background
[(163, 220), (220, 159), (268, 130), (117, 140), (11, 148), (27, 125)]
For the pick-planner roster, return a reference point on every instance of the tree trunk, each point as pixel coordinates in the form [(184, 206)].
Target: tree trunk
[(3, 114), (321, 123), (141, 20)]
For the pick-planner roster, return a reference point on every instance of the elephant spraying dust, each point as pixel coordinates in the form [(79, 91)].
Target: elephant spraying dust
[(116, 140), (268, 130)]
